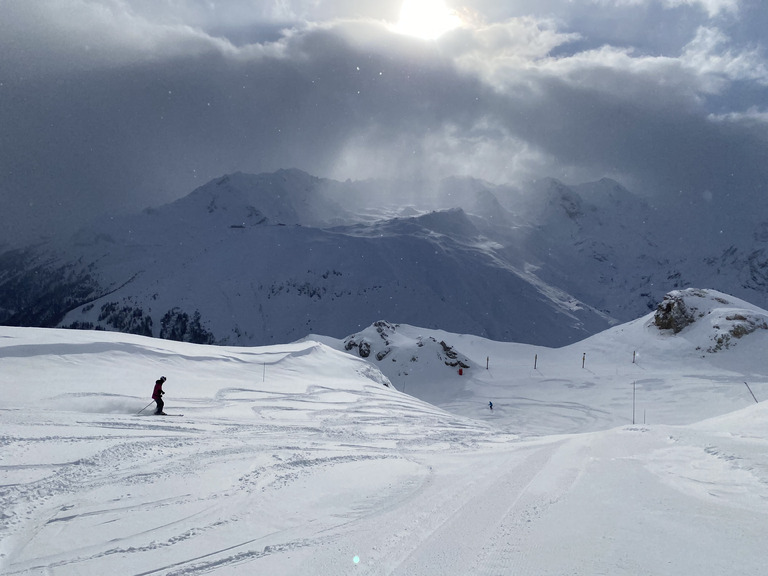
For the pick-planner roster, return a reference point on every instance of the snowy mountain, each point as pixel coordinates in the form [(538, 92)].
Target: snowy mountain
[(461, 372), (640, 450), (259, 259)]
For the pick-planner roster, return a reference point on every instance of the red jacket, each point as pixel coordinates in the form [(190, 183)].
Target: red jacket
[(158, 391)]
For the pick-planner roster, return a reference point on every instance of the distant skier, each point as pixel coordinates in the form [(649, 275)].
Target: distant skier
[(490, 405), (157, 396)]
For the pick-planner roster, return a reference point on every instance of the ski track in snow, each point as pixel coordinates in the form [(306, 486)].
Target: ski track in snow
[(470, 529), (140, 455)]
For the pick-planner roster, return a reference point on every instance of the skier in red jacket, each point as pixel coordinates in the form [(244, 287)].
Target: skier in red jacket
[(157, 396)]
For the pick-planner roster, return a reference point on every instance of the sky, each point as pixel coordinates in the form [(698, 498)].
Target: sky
[(116, 105)]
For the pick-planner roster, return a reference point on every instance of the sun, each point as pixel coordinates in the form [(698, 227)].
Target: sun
[(427, 19)]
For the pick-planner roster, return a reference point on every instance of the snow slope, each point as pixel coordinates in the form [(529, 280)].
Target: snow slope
[(538, 390), (300, 459)]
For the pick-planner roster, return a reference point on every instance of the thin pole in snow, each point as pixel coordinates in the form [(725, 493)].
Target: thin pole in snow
[(535, 360), (753, 394), (583, 359), (634, 386)]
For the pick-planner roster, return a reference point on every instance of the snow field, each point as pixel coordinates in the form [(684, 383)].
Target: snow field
[(297, 459)]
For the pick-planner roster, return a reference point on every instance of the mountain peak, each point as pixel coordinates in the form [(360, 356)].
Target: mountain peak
[(287, 196)]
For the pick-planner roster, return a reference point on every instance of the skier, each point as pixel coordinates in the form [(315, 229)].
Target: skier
[(490, 405), (157, 396)]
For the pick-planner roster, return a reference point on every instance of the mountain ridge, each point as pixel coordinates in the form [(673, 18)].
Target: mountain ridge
[(259, 259)]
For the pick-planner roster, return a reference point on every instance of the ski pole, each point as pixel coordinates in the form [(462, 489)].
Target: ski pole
[(145, 407)]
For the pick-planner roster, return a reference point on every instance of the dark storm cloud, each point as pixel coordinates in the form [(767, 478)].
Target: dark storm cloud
[(108, 105), (79, 142)]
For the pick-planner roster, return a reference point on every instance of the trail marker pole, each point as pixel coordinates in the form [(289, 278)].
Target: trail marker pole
[(634, 387), (634, 354), (583, 359), (487, 361), (535, 360), (753, 394)]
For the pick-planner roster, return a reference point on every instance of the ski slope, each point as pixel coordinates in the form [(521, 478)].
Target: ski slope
[(300, 458)]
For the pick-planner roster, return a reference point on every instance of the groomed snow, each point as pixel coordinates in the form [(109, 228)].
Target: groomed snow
[(298, 459)]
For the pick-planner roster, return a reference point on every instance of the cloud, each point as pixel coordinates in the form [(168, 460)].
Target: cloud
[(754, 117), (712, 7), (118, 104), (710, 56), (57, 37)]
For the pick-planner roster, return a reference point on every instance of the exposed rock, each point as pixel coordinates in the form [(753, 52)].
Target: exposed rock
[(736, 326), (673, 313)]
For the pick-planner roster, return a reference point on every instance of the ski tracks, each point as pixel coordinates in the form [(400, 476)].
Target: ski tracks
[(479, 529), (239, 498)]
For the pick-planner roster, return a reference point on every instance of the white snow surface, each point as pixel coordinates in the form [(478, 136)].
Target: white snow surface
[(300, 459)]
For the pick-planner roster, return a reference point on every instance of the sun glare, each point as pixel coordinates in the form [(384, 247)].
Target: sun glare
[(426, 19)]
